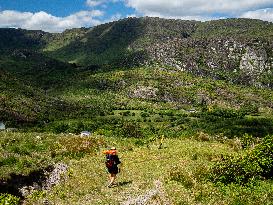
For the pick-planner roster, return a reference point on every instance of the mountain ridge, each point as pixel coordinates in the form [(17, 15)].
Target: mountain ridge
[(79, 62), (187, 45)]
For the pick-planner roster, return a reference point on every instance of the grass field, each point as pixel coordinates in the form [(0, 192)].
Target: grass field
[(174, 174)]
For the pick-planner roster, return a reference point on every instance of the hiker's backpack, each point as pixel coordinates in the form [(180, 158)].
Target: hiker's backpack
[(110, 162), (111, 158)]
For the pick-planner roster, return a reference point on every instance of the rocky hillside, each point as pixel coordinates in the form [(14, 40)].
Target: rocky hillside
[(87, 71), (236, 50)]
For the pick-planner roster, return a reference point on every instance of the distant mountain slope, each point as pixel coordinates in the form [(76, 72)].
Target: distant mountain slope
[(121, 41), (19, 102), (237, 50), (22, 39), (36, 69), (69, 72)]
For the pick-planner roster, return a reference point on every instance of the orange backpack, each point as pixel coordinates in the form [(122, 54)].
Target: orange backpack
[(109, 158)]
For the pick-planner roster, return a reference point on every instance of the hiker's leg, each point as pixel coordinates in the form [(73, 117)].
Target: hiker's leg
[(112, 178)]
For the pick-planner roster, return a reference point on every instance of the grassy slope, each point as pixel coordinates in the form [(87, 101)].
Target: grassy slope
[(112, 42), (179, 166), (109, 94), (18, 101), (237, 28), (179, 85), (103, 95)]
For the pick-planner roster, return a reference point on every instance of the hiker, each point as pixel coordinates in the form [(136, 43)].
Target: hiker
[(112, 162)]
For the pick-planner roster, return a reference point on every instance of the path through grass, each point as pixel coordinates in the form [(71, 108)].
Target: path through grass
[(178, 166)]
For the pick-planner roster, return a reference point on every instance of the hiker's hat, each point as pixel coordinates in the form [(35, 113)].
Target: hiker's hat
[(113, 148)]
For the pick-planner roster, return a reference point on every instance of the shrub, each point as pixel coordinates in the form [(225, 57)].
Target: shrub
[(249, 108), (126, 113), (9, 199), (248, 140), (78, 146), (60, 128), (189, 176), (225, 113), (144, 114), (130, 129), (158, 119), (256, 163), (202, 136), (182, 176)]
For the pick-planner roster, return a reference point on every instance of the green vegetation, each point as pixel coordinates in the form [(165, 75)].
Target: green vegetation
[(23, 153), (197, 135), (254, 164), (182, 166), (9, 199)]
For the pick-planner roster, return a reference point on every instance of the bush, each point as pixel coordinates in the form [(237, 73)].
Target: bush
[(9, 199), (130, 129), (60, 128), (255, 164), (144, 114), (225, 113), (126, 113), (182, 176), (248, 140), (249, 108), (189, 176), (78, 146), (202, 136)]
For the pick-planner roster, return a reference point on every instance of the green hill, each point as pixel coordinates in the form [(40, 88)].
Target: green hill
[(191, 102)]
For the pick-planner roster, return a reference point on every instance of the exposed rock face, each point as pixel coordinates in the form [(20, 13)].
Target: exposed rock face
[(144, 92), (253, 64), (44, 181), (221, 58), (55, 176)]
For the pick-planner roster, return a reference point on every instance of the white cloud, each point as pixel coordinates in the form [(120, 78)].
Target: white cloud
[(263, 14), (93, 3), (47, 22), (196, 8)]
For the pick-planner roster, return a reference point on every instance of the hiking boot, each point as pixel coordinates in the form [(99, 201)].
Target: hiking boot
[(114, 184)]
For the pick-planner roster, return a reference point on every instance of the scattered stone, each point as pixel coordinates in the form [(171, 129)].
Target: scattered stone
[(149, 195), (144, 92), (11, 129), (2, 126), (85, 134), (55, 176)]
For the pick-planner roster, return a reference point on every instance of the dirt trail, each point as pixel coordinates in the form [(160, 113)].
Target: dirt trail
[(153, 196)]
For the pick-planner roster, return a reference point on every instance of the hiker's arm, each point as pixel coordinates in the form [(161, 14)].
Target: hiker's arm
[(119, 163), (119, 166)]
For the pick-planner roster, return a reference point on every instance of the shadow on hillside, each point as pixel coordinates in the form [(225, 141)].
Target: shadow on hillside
[(17, 181), (257, 127), (124, 183), (105, 44)]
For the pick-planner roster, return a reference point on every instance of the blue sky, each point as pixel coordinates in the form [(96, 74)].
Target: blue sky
[(58, 15)]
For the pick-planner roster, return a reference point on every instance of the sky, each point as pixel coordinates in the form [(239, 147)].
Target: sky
[(58, 15)]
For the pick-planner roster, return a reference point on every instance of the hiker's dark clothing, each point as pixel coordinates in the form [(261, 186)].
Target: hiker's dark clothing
[(114, 168)]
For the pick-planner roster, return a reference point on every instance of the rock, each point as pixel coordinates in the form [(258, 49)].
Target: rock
[(144, 92), (11, 129), (55, 176), (85, 134)]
